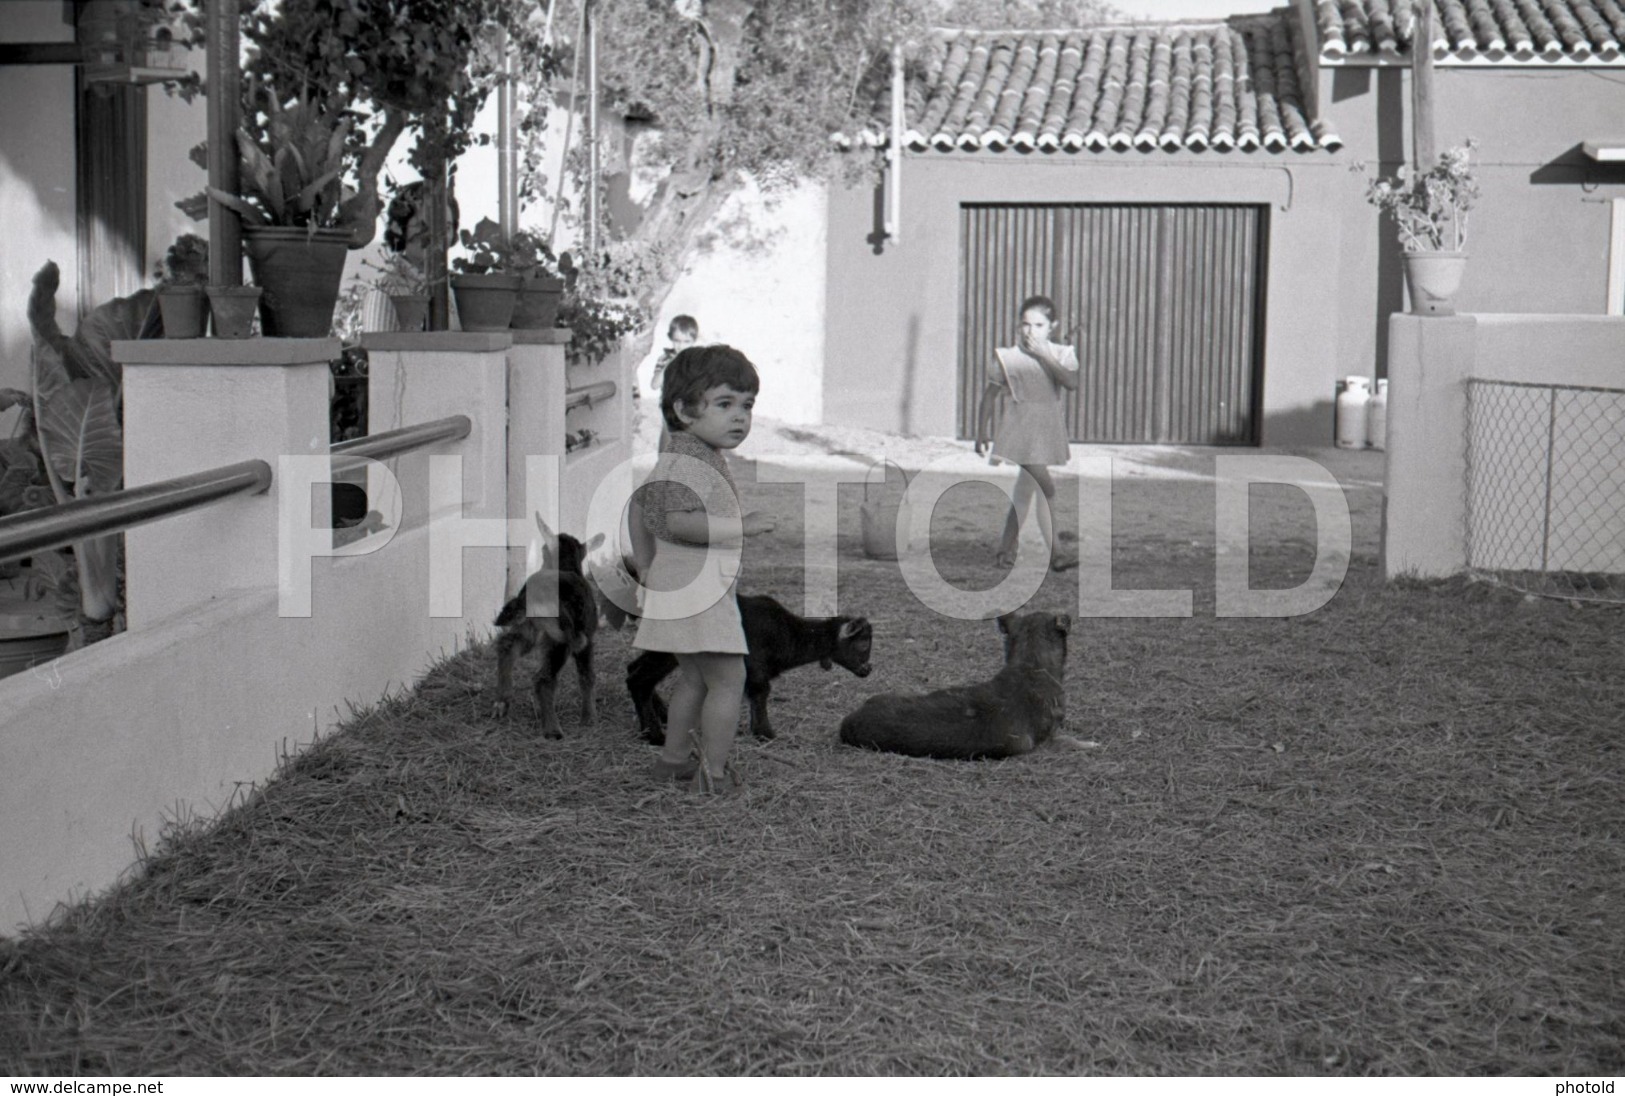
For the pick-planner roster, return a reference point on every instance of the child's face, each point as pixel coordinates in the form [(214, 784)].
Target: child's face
[(1035, 325), (723, 418), (681, 340)]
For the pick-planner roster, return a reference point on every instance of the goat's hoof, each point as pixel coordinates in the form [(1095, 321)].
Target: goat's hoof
[(552, 732), (764, 733), (499, 710)]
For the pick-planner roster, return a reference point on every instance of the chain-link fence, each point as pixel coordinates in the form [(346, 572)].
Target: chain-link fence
[(1546, 488)]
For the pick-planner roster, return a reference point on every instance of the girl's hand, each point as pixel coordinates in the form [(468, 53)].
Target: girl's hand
[(757, 522)]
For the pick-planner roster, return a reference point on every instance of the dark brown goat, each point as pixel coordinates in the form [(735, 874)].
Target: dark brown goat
[(565, 621), (778, 640), (1022, 706)]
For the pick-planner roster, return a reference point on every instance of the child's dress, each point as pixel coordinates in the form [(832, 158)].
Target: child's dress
[(1033, 430), (688, 601)]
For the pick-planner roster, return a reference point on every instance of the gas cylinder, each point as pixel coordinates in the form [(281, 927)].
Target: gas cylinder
[(1376, 417), (1351, 412)]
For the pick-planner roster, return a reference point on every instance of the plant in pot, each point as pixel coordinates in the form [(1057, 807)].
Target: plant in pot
[(407, 287), (299, 220), (486, 288), (542, 275), (182, 274), (1430, 209)]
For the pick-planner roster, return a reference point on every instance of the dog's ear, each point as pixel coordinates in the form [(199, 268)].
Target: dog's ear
[(1063, 621)]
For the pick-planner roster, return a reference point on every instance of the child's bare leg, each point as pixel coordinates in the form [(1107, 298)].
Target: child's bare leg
[(1018, 511), (1046, 485), (683, 714), (719, 718)]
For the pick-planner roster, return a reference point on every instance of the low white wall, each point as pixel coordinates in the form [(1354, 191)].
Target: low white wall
[(1435, 526), (111, 742)]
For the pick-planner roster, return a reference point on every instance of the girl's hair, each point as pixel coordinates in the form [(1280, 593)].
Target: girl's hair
[(686, 325), (697, 370), (1044, 304)]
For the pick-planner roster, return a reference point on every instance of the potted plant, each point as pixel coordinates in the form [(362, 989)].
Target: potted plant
[(486, 288), (182, 274), (298, 218), (407, 288), (542, 280), (1431, 210)]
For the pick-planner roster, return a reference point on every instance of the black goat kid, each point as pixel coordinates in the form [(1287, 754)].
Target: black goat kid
[(778, 639), (565, 620)]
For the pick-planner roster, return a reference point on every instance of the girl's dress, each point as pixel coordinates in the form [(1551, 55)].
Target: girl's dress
[(1033, 431), (688, 601)]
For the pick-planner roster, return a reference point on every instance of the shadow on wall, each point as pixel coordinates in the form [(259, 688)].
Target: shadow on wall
[(911, 370), (1574, 167), (1314, 426)]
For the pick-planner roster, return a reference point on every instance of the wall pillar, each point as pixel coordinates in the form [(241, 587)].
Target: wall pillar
[(195, 404), (536, 380), (1425, 505)]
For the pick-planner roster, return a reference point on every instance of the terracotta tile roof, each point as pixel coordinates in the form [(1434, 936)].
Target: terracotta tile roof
[(1588, 31), (1222, 85)]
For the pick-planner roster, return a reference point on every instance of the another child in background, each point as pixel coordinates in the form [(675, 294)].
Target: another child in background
[(683, 332), (1033, 432), (688, 603)]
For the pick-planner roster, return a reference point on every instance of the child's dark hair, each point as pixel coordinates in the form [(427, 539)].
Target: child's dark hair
[(685, 325), (406, 204), (695, 371), (1042, 303)]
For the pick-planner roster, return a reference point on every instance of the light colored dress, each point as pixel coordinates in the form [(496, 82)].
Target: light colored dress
[(1033, 430), (688, 601)]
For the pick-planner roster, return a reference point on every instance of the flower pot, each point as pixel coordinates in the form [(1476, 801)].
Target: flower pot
[(485, 302), (1433, 277), (182, 309), (31, 632), (232, 307), (538, 305), (299, 271), (411, 310)]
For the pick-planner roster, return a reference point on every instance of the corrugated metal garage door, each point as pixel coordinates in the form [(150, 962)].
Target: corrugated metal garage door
[(1162, 302)]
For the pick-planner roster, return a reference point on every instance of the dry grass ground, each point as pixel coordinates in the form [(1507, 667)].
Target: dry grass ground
[(1384, 837)]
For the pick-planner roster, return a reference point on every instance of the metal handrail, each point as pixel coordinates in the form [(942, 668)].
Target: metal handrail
[(59, 526), (34, 531), (348, 456), (588, 394)]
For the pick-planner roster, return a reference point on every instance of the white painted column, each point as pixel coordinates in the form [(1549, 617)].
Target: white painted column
[(536, 379), (195, 404)]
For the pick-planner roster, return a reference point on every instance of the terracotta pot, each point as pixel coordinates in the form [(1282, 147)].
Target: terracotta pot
[(485, 302), (538, 305), (182, 307), (411, 310), (299, 271), (232, 307), (1433, 277)]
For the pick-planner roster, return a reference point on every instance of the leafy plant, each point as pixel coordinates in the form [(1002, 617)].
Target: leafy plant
[(185, 263), (525, 253), (292, 171), (1431, 208), (397, 274), (597, 325)]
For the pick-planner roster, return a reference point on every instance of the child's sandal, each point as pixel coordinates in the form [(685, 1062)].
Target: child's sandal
[(724, 783)]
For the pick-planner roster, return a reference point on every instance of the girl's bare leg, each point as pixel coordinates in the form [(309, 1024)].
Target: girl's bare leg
[(1046, 485), (724, 676), (683, 713)]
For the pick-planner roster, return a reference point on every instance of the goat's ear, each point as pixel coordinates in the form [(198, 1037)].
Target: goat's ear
[(848, 629), (1063, 621), (594, 541), (826, 664), (1004, 623)]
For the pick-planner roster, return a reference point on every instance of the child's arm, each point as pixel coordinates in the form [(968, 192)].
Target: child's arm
[(1063, 374), (643, 541), (697, 527), (984, 414)]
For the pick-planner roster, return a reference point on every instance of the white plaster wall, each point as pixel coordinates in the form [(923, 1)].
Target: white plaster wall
[(174, 127), (37, 196), (757, 283)]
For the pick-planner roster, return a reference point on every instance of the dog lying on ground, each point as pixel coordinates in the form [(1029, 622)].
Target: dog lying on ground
[(1020, 708), (565, 621), (778, 640)]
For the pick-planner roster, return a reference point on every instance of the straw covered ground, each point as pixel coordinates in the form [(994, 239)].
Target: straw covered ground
[(1383, 837)]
